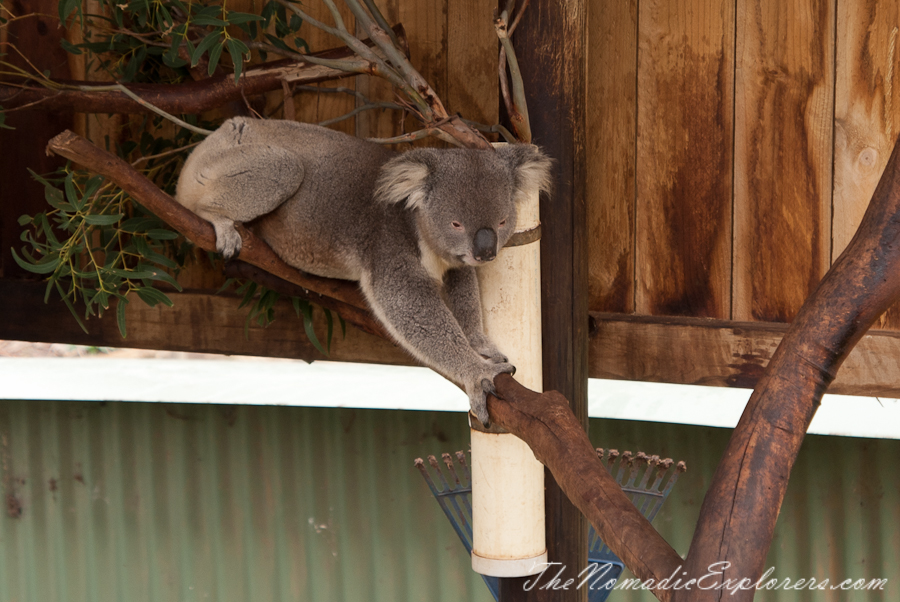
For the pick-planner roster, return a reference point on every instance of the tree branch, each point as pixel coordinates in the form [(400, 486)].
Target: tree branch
[(516, 106), (546, 423), (737, 519), (189, 97)]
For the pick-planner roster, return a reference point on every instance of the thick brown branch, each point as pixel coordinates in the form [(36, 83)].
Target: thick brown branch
[(546, 423), (737, 519), (200, 232), (189, 97)]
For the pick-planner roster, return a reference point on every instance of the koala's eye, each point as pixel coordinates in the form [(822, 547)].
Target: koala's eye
[(503, 223), (457, 226)]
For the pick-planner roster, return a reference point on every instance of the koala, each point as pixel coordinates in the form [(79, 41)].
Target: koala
[(410, 227)]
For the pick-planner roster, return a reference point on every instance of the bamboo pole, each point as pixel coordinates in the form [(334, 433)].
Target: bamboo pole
[(507, 481)]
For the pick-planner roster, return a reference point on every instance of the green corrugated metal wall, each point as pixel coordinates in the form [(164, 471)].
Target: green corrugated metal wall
[(133, 501)]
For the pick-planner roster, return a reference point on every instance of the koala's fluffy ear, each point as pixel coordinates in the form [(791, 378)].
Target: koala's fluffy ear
[(405, 178), (530, 166)]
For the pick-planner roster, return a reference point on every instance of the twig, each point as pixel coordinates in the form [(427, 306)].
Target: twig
[(164, 154), (361, 108), (516, 104), (154, 109), (419, 135), (492, 129), (382, 22)]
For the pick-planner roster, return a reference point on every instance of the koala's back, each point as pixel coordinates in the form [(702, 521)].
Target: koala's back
[(327, 225)]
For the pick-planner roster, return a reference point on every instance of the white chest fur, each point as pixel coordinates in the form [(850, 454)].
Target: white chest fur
[(433, 264)]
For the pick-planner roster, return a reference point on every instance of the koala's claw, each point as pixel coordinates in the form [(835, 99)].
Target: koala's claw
[(484, 386), (228, 241)]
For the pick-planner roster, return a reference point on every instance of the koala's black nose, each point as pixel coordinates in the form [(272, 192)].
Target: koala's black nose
[(484, 247)]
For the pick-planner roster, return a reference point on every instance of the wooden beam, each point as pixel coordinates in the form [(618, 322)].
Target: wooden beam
[(720, 353), (199, 322)]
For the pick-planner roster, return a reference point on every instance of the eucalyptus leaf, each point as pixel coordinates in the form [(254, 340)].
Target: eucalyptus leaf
[(205, 44), (235, 18), (152, 296), (45, 265), (214, 54), (120, 316)]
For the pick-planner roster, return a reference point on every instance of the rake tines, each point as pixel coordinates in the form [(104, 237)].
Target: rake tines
[(455, 499), (640, 476)]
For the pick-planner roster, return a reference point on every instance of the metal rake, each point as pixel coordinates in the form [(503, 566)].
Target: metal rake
[(640, 476)]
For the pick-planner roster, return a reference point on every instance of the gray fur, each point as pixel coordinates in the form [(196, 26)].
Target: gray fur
[(401, 224)]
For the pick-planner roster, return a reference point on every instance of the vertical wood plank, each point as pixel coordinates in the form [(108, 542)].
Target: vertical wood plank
[(472, 48), (867, 114), (783, 154), (684, 157), (611, 114)]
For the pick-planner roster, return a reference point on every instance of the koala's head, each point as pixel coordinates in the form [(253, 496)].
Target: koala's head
[(464, 199)]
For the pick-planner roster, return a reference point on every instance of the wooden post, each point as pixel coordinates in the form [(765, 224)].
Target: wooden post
[(550, 47)]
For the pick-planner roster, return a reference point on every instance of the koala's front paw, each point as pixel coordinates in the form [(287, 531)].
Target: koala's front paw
[(482, 384), (228, 241)]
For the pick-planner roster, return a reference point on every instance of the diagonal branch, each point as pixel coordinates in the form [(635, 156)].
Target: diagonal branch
[(546, 423), (737, 519), (396, 68)]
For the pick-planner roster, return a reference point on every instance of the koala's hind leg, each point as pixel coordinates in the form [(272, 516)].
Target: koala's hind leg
[(239, 184), (408, 302), (464, 300)]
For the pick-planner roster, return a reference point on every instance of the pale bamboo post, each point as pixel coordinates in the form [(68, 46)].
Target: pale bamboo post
[(507, 481)]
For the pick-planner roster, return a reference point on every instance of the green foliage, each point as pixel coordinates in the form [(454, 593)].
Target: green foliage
[(261, 302), (143, 41), (96, 246)]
